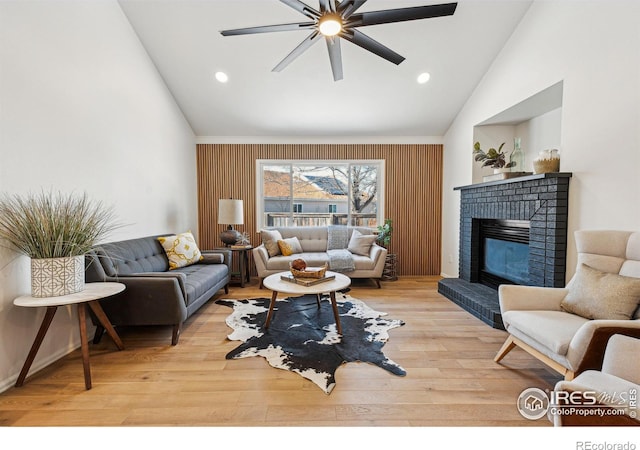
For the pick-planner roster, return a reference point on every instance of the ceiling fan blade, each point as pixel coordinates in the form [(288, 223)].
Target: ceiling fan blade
[(325, 5), (302, 8), (348, 7), (304, 45), (402, 14), (364, 41), (269, 29), (335, 56)]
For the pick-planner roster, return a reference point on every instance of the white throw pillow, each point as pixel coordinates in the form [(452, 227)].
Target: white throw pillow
[(594, 294), (270, 240), (360, 244)]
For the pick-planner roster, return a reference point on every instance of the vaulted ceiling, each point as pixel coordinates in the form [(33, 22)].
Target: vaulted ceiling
[(375, 97)]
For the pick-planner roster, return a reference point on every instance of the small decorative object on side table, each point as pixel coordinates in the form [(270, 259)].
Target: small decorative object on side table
[(89, 296)]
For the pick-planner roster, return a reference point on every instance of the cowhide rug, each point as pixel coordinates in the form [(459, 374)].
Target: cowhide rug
[(303, 339)]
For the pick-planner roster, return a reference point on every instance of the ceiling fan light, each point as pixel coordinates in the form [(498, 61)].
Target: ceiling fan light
[(330, 25)]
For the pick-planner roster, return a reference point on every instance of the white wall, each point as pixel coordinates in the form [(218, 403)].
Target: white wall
[(594, 47), (82, 108), (540, 133)]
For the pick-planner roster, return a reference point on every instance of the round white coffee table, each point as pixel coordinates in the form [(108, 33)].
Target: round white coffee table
[(277, 284)]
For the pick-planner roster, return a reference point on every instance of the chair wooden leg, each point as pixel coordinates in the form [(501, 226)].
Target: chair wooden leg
[(569, 375), (226, 288), (508, 345), (377, 281)]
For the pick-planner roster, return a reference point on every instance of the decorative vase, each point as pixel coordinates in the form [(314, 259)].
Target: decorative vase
[(230, 236), (53, 277), (517, 156), (547, 161)]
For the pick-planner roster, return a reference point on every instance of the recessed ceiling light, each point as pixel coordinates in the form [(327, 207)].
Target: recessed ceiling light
[(424, 77), (222, 77)]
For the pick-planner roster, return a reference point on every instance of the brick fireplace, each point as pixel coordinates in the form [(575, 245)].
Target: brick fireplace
[(538, 203)]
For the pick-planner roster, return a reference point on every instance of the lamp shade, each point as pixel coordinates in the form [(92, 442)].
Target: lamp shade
[(230, 212)]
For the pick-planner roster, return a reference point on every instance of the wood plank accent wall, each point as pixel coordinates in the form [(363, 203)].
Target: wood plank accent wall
[(413, 191)]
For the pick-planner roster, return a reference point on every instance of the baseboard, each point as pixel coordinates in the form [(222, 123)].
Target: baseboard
[(38, 365)]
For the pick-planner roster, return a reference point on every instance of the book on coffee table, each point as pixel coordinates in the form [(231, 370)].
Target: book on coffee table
[(307, 281)]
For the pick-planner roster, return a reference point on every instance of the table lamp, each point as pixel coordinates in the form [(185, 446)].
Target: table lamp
[(230, 212)]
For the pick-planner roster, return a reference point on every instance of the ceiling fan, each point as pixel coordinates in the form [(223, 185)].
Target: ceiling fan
[(338, 19)]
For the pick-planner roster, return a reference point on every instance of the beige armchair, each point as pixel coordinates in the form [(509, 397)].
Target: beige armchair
[(568, 328), (603, 398)]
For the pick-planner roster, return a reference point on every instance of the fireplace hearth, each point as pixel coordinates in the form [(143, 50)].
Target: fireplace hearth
[(522, 222)]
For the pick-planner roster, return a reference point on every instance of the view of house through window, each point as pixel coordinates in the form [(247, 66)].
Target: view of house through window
[(320, 193)]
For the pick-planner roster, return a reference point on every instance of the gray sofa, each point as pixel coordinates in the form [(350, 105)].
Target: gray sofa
[(314, 242), (154, 295)]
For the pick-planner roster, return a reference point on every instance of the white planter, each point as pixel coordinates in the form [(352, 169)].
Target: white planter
[(53, 277), (502, 170)]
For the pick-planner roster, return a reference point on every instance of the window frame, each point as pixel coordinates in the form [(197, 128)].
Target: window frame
[(261, 163)]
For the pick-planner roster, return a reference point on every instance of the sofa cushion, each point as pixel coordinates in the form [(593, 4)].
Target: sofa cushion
[(312, 259), (594, 294), (181, 250), (289, 246), (551, 329), (360, 244), (270, 240), (200, 278)]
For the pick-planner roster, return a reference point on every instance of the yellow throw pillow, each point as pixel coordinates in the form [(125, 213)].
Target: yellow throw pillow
[(289, 246), (181, 250)]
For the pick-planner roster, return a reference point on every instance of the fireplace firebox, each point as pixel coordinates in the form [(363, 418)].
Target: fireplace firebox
[(504, 252)]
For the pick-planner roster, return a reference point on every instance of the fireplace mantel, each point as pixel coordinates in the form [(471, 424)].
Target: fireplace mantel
[(539, 176), (541, 199)]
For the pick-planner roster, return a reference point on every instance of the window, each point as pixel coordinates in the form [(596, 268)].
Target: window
[(319, 193)]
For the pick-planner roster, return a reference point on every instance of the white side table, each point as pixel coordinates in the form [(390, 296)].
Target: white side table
[(89, 296), (277, 284)]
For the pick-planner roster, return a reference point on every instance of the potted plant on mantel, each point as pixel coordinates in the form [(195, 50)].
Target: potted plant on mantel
[(384, 239), (55, 231), (496, 159)]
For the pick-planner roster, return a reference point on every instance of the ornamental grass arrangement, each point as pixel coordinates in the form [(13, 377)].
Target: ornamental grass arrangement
[(54, 225)]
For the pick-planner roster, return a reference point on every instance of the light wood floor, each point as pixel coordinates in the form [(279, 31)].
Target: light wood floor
[(447, 353)]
